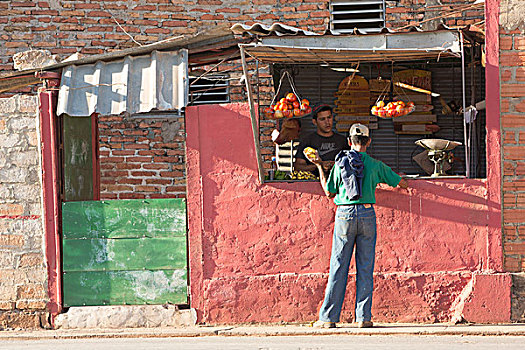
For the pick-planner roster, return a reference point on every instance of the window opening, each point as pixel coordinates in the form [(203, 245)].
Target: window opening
[(397, 150), (209, 89)]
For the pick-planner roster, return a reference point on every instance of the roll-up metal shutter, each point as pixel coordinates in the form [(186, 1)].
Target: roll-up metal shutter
[(319, 84)]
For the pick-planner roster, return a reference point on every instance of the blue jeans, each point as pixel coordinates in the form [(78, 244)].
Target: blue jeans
[(355, 225)]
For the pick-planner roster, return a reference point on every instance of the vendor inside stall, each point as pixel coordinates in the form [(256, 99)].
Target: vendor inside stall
[(327, 142), (404, 86)]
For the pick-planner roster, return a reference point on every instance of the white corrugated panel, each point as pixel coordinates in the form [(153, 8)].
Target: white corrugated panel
[(139, 84)]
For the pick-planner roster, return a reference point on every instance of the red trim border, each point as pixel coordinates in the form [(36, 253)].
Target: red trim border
[(50, 191)]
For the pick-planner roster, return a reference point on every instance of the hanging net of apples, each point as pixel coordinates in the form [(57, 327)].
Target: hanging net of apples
[(289, 106), (393, 109)]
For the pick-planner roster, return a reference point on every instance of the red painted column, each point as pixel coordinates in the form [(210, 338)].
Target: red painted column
[(50, 188), (494, 177)]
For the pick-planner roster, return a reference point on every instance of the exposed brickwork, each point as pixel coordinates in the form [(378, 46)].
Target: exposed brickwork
[(410, 12), (23, 277), (512, 59), (141, 158), (89, 27)]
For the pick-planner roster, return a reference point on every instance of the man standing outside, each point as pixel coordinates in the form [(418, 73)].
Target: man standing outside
[(352, 183), (327, 143)]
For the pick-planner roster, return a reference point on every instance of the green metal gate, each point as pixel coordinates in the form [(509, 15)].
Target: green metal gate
[(124, 252)]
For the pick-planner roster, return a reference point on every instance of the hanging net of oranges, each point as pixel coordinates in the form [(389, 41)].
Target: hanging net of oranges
[(393, 109), (289, 106)]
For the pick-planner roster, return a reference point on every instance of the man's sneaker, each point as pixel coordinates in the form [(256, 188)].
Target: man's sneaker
[(365, 324), (323, 324)]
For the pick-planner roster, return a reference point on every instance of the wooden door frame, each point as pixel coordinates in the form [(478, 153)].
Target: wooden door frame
[(52, 181), (47, 97)]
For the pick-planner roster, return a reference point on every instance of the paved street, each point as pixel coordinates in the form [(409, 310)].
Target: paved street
[(319, 342)]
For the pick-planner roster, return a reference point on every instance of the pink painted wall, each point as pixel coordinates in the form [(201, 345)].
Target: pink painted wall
[(260, 253)]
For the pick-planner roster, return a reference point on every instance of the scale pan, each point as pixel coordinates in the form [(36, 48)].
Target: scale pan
[(438, 144)]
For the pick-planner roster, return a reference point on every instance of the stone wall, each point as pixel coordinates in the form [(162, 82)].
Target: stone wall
[(23, 277), (518, 297)]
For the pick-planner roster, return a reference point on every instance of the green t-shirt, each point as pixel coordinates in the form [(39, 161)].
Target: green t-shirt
[(374, 172)]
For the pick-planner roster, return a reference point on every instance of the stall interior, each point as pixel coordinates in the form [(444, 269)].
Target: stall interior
[(434, 86)]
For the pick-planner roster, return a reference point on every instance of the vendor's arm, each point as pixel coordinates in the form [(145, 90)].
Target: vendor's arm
[(403, 184), (301, 165)]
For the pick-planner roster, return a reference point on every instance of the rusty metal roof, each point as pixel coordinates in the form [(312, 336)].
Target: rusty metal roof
[(207, 47), (281, 30), (221, 43)]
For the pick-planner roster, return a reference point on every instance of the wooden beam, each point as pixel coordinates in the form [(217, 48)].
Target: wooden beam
[(255, 129)]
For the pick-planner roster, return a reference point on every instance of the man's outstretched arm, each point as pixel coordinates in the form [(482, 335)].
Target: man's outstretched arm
[(322, 179)]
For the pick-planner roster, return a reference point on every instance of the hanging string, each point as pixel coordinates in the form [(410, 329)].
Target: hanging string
[(350, 79), (382, 95), (286, 74)]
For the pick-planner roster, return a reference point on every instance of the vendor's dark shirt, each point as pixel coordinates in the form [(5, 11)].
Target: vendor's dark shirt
[(327, 147)]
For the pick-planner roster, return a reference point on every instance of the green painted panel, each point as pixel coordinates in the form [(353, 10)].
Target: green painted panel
[(124, 218), (78, 159), (125, 287), (124, 254)]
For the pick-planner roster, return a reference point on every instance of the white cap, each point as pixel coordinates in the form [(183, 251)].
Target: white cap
[(358, 130)]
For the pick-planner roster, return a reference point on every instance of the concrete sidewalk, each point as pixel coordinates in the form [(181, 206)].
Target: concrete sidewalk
[(270, 330)]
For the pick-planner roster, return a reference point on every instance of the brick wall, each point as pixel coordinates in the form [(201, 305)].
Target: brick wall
[(454, 12), (89, 27), (23, 276), (141, 158), (512, 77)]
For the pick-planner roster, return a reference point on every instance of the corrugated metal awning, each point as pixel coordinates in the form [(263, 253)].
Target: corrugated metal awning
[(356, 48), (278, 29), (135, 84)]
